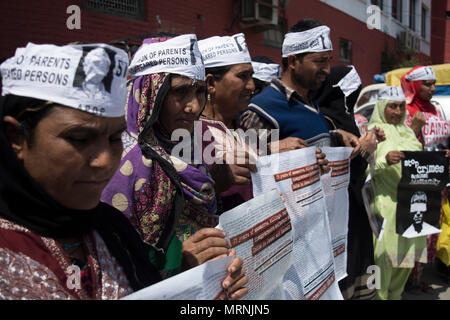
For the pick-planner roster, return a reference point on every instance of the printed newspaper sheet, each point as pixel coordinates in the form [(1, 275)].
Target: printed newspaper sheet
[(261, 233), (203, 282), (297, 175), (335, 187)]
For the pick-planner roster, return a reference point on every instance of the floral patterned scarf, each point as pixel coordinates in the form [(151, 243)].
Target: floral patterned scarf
[(159, 193)]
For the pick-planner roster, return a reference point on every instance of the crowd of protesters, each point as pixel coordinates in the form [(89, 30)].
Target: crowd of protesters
[(88, 175)]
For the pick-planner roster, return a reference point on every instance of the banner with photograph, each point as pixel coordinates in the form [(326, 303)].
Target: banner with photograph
[(424, 175)]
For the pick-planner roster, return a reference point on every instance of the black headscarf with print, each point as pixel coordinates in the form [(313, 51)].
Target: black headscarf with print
[(338, 110), (25, 203), (334, 104)]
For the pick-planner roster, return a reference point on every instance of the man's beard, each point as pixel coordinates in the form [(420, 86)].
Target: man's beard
[(418, 226)]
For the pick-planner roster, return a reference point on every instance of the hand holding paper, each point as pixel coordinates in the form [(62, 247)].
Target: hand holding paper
[(204, 245)]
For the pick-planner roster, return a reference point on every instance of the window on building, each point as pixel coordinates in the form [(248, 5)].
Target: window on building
[(412, 15), (129, 9), (378, 3), (397, 8), (424, 22), (274, 37), (345, 50)]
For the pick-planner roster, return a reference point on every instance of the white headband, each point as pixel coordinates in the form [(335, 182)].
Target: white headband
[(266, 71), (424, 73), (89, 77), (391, 94), (179, 55), (350, 83), (313, 40), (224, 51)]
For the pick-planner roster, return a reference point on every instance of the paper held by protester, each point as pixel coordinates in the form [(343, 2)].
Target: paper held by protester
[(335, 186), (424, 175), (261, 233), (296, 174), (179, 55), (89, 77), (376, 220), (203, 282)]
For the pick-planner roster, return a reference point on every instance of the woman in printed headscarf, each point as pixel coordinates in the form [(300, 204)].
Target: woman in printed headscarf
[(394, 254), (169, 200), (230, 87), (419, 85), (57, 241), (336, 98)]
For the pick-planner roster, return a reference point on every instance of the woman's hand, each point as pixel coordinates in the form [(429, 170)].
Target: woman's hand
[(447, 153), (236, 279), (236, 170), (379, 133), (368, 141), (204, 245), (394, 157), (287, 144), (241, 164), (417, 122), (209, 244)]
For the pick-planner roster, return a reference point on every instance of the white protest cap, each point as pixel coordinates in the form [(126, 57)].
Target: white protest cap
[(266, 71), (350, 82), (424, 73), (391, 94), (178, 55), (312, 40), (88, 77), (224, 51)]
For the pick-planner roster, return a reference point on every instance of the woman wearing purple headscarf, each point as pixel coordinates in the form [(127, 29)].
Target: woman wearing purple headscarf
[(169, 201)]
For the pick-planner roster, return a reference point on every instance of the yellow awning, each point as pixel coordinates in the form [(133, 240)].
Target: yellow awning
[(442, 75)]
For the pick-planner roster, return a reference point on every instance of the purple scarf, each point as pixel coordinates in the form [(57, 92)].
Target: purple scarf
[(157, 193)]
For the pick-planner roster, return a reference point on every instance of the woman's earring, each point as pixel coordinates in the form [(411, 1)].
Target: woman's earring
[(208, 97)]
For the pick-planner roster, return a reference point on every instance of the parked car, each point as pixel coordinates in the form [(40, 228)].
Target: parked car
[(443, 104), (368, 94)]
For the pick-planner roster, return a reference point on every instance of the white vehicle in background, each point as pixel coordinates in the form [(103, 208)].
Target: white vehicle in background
[(443, 105), (365, 105), (368, 94)]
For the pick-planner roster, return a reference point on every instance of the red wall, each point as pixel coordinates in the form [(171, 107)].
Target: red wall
[(438, 32), (447, 37), (45, 22)]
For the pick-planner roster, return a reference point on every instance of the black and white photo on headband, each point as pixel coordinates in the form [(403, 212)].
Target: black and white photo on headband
[(94, 73)]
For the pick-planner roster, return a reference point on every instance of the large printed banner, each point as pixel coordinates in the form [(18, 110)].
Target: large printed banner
[(436, 131), (424, 175), (296, 174)]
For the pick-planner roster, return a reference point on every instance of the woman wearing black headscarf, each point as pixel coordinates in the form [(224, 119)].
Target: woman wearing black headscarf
[(59, 150), (336, 99), (40, 237)]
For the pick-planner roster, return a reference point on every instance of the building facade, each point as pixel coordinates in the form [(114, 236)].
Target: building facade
[(360, 36)]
